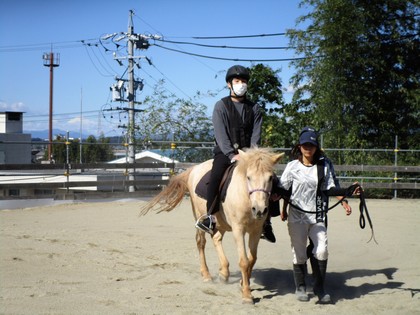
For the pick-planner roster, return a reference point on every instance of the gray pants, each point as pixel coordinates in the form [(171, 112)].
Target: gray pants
[(299, 234)]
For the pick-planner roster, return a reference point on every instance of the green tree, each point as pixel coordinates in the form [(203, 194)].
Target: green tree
[(60, 150), (265, 88), (358, 80), (97, 150), (169, 118)]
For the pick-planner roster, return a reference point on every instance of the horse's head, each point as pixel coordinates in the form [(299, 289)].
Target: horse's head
[(257, 164)]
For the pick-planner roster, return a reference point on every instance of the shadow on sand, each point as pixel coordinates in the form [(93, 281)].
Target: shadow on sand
[(280, 282)]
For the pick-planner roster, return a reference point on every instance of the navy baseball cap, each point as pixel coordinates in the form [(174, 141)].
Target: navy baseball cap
[(308, 135)]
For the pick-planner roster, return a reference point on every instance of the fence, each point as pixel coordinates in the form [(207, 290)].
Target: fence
[(58, 181), (68, 180)]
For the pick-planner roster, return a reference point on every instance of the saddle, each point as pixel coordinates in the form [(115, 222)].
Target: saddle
[(201, 189)]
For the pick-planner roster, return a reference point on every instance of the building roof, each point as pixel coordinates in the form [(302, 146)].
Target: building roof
[(146, 156)]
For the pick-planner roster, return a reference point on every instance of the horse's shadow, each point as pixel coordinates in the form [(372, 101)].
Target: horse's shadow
[(281, 282)]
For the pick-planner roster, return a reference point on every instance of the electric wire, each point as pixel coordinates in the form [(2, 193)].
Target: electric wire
[(170, 81), (99, 61), (239, 36), (94, 65), (230, 59), (226, 46)]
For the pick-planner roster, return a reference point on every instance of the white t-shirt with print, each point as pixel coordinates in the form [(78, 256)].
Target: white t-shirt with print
[(304, 181)]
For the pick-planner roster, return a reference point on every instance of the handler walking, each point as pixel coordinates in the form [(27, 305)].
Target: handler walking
[(312, 180)]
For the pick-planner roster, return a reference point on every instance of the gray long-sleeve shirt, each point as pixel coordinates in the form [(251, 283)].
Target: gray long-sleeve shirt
[(222, 131)]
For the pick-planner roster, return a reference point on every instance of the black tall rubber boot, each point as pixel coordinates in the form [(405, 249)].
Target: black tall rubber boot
[(319, 269), (267, 232), (299, 272)]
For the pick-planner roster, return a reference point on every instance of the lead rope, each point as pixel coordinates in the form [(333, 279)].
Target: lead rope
[(362, 208), (362, 221)]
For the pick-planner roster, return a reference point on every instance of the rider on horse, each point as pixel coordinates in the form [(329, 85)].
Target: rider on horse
[(237, 124)]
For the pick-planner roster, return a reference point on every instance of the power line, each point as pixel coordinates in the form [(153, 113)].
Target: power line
[(239, 36), (44, 46), (229, 59), (63, 114), (94, 65), (223, 46)]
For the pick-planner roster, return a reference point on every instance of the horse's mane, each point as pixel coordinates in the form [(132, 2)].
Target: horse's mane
[(260, 158)]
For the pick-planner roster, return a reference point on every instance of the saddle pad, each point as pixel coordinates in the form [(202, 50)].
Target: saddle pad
[(201, 189)]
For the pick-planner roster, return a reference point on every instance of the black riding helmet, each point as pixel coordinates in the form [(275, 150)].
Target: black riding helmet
[(237, 71)]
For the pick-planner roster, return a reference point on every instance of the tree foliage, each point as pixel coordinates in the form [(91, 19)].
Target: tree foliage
[(97, 150), (93, 150), (359, 78), (169, 118), (265, 88)]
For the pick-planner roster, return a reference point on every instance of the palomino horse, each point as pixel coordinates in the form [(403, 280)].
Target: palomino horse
[(244, 209)]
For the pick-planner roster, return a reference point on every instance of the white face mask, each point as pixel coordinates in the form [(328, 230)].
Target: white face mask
[(239, 89)]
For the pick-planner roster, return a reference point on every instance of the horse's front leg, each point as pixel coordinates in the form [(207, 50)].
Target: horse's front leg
[(223, 262), (239, 236), (254, 239)]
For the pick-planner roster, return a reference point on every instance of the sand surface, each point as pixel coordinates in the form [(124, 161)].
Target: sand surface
[(103, 258)]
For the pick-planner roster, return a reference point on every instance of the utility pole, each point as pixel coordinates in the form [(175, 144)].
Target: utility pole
[(51, 61), (81, 125), (131, 126), (134, 41)]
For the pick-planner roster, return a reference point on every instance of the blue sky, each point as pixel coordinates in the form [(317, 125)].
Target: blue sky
[(29, 28)]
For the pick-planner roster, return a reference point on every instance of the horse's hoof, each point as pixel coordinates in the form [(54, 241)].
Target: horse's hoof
[(249, 301), (223, 278), (207, 279)]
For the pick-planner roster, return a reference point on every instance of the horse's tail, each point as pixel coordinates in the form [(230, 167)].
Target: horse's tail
[(171, 196)]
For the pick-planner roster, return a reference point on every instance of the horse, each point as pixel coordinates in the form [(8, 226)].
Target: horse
[(242, 212)]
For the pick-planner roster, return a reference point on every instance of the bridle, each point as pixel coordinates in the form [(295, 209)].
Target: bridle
[(250, 191)]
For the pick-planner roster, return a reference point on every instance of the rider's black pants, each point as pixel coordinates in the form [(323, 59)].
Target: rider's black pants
[(220, 163)]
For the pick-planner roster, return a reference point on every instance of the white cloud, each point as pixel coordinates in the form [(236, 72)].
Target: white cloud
[(15, 107)]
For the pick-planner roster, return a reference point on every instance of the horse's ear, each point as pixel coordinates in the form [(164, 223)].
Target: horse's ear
[(277, 157), (242, 154)]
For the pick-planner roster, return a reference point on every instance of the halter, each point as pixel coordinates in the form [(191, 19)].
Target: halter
[(250, 191)]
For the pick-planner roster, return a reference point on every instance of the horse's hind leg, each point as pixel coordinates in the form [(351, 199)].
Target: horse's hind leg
[(223, 262), (200, 239)]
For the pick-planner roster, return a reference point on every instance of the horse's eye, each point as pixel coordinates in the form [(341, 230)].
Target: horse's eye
[(271, 178), (248, 178)]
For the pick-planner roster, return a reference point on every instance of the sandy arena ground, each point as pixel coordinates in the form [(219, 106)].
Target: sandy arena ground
[(103, 258)]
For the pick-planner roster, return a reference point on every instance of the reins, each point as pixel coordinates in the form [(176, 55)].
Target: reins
[(362, 208)]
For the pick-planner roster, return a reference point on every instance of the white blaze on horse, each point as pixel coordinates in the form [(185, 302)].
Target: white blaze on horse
[(243, 210)]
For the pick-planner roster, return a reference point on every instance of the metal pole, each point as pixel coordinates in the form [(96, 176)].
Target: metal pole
[(81, 125), (67, 173), (51, 107), (51, 62), (396, 164), (131, 127)]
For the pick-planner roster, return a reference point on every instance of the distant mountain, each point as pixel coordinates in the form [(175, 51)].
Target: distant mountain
[(43, 134)]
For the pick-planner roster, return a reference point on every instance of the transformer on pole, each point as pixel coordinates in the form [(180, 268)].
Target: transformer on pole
[(127, 93)]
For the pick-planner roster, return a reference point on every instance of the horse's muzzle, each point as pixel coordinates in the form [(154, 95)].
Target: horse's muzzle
[(259, 215)]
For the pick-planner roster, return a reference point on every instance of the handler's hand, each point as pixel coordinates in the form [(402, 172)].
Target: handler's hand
[(346, 207), (283, 215), (275, 197), (358, 189)]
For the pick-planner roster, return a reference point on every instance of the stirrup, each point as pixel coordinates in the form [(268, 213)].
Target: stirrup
[(208, 229)]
